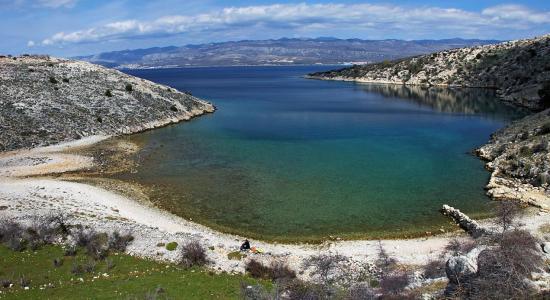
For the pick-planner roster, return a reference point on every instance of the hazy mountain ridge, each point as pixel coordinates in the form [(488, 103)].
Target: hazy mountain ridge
[(284, 51)]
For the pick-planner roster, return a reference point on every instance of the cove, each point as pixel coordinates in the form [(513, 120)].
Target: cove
[(291, 159)]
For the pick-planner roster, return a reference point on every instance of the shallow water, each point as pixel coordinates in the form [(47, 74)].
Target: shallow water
[(287, 158)]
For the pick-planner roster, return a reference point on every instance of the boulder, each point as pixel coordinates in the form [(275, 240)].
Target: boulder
[(458, 267)]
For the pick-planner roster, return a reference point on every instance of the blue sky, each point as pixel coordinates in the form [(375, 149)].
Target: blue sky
[(77, 27)]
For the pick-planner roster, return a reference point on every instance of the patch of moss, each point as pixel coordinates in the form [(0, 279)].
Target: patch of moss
[(171, 246)]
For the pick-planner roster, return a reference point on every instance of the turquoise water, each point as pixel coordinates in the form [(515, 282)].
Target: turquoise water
[(288, 158)]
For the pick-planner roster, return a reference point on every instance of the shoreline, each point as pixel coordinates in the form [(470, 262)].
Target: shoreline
[(27, 190)]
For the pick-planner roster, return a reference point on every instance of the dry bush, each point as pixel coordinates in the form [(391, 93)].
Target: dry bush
[(506, 214), (256, 269), (394, 283), (193, 254), (97, 246), (278, 270), (459, 247), (503, 268), (326, 267), (435, 268), (299, 290), (118, 242), (11, 235)]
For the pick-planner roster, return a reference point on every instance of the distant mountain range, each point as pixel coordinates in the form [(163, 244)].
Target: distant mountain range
[(283, 51)]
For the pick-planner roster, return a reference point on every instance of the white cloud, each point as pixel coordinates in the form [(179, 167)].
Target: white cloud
[(310, 17), (56, 3), (30, 44), (516, 13)]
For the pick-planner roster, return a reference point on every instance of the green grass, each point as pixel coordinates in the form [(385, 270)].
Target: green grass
[(129, 278)]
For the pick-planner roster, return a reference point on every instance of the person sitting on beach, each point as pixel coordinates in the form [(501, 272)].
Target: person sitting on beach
[(245, 246)]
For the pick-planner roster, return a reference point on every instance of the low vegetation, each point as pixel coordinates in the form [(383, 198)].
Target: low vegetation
[(52, 260)]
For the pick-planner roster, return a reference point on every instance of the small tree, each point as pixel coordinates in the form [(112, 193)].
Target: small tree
[(108, 93), (129, 87)]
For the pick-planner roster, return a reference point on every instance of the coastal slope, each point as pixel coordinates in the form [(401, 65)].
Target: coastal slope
[(47, 100), (518, 70)]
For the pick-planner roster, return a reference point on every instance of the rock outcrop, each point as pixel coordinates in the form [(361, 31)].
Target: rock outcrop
[(519, 70), (519, 159), (47, 100)]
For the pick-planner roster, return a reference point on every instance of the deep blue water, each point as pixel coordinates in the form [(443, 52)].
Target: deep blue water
[(289, 158)]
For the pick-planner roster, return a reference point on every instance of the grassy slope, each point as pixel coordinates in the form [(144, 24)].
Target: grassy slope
[(130, 278)]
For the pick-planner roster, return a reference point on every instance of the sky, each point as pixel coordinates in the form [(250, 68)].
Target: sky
[(80, 27)]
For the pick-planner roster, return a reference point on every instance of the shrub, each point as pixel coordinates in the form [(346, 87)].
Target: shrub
[(129, 87), (96, 244), (458, 247), (278, 270), (506, 214), (193, 254), (394, 283), (435, 268), (503, 268), (89, 266), (297, 290), (171, 246), (66, 80), (108, 93), (325, 266), (525, 151), (76, 268), (257, 269), (118, 242), (53, 80), (97, 247)]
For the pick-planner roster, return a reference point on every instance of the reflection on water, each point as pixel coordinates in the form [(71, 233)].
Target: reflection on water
[(288, 158), (449, 100)]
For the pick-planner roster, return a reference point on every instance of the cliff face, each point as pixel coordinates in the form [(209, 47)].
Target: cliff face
[(519, 70), (47, 100)]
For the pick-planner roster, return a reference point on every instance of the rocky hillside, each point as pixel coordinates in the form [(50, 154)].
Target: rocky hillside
[(48, 100), (519, 70), (519, 158)]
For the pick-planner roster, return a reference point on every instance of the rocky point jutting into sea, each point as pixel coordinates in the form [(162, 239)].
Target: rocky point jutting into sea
[(520, 72), (47, 100)]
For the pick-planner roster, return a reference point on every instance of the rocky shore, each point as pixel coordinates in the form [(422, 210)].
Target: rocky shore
[(47, 100), (519, 71)]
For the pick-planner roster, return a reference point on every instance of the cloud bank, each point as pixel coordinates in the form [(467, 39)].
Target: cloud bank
[(304, 18)]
